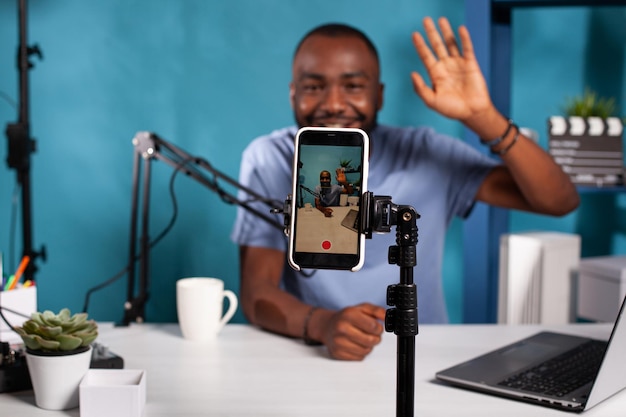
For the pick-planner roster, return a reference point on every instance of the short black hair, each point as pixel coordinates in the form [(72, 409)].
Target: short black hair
[(336, 30)]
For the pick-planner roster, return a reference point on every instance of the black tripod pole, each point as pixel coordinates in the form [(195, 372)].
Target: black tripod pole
[(402, 320), (20, 144)]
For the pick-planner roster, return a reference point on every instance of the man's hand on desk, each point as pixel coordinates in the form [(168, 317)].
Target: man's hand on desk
[(351, 333)]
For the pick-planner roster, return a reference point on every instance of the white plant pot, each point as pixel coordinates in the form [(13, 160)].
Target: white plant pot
[(56, 379)]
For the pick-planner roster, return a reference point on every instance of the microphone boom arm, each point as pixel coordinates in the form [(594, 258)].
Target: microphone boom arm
[(149, 146)]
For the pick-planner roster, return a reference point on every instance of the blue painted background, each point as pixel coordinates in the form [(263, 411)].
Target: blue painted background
[(209, 76)]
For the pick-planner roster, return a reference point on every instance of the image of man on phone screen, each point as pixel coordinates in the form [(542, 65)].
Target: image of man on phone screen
[(328, 194)]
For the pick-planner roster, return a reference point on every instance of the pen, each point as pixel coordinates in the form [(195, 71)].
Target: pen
[(20, 271), (10, 283)]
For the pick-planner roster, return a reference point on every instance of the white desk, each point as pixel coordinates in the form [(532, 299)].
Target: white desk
[(248, 372)]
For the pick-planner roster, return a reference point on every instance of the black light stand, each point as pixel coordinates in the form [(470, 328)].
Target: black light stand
[(313, 193), (149, 146), (21, 145)]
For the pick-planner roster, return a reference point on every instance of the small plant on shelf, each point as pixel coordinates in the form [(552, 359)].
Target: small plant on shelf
[(345, 164), (62, 332), (590, 105)]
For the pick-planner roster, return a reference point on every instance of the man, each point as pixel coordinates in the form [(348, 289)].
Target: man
[(329, 193), (336, 84)]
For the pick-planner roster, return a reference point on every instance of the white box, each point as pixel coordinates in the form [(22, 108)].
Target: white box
[(20, 300), (535, 277), (113, 392), (601, 287)]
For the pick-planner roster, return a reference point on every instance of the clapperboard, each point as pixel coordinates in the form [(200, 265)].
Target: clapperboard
[(588, 149)]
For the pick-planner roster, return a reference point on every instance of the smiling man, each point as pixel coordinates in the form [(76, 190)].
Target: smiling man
[(328, 193), (336, 83)]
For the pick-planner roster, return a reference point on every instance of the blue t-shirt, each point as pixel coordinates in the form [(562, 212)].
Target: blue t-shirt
[(435, 174), (329, 196)]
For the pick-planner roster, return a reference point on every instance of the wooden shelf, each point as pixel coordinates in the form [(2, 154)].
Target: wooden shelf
[(585, 189), (555, 3)]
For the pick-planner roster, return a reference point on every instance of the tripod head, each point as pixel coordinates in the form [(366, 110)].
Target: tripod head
[(377, 215)]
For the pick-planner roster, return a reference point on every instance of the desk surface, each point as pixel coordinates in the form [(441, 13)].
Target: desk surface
[(313, 229), (249, 372)]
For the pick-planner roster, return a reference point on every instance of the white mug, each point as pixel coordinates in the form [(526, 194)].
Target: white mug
[(199, 303)]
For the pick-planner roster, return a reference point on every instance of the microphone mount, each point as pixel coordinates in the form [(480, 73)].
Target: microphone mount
[(148, 147), (308, 190)]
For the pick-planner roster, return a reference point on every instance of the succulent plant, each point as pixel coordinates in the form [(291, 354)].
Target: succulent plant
[(58, 332)]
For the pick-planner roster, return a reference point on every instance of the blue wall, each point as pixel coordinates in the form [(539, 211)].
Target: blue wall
[(209, 76), (559, 52)]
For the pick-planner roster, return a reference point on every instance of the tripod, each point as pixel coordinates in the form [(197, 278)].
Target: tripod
[(378, 214)]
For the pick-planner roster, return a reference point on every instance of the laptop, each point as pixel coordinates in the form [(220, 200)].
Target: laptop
[(351, 220), (529, 370)]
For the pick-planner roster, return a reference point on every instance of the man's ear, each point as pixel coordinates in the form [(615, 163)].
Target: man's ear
[(379, 101), (292, 94)]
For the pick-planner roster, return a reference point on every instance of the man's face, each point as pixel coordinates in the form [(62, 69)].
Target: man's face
[(335, 83), (325, 179)]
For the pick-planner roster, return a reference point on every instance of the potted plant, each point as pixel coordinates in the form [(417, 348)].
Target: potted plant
[(590, 105), (587, 142), (58, 354), (344, 164)]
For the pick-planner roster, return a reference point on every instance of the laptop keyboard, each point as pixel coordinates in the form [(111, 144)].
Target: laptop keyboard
[(562, 374)]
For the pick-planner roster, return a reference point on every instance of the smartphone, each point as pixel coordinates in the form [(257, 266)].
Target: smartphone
[(329, 178)]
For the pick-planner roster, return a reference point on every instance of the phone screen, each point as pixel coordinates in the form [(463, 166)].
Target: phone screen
[(330, 176)]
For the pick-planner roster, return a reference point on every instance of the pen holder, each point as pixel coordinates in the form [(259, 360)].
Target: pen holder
[(19, 300)]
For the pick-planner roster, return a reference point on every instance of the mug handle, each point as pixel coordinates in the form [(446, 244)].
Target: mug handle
[(232, 307)]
